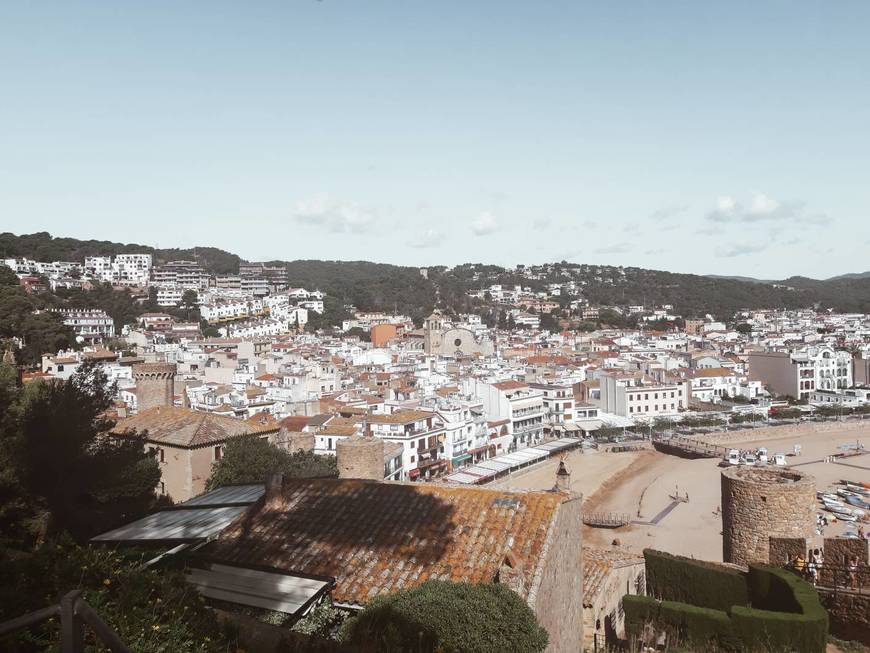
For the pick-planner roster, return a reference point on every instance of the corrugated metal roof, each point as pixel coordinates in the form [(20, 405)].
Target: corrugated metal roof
[(180, 525), (228, 495), (261, 589)]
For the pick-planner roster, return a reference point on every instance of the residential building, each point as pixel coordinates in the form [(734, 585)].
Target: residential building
[(88, 324)]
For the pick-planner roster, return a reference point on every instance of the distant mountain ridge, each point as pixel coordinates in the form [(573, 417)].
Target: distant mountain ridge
[(402, 289)]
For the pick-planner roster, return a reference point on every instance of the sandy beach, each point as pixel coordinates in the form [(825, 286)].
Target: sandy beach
[(643, 484)]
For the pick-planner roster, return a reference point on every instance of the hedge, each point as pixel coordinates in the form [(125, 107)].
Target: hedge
[(786, 613), (639, 611), (699, 583)]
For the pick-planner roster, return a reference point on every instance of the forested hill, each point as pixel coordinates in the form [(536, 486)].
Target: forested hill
[(376, 286), (42, 246)]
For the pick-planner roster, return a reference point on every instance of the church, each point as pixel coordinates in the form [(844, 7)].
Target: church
[(441, 338)]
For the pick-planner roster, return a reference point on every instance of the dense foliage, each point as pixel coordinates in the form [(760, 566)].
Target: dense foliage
[(152, 611), (448, 617), (37, 332), (42, 246), (60, 471), (251, 460)]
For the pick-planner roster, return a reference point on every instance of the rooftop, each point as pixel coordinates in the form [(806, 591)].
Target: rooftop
[(376, 538)]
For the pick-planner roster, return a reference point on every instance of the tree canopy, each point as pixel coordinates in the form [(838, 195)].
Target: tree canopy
[(448, 617), (60, 471), (247, 459)]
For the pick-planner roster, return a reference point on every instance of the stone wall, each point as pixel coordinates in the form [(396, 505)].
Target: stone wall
[(155, 384), (839, 550), (849, 614), (799, 429), (556, 596), (758, 503), (783, 550)]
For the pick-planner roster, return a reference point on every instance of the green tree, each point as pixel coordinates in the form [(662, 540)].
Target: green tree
[(448, 617), (248, 459), (189, 300), (62, 471), (743, 328)]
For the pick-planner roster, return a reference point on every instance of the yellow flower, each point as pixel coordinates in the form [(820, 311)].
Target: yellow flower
[(155, 627), (106, 582), (158, 601)]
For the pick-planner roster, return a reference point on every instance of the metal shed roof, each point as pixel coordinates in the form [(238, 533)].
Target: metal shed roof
[(228, 495), (271, 590), (179, 525)]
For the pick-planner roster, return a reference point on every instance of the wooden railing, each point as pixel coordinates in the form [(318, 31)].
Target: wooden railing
[(606, 519), (74, 614)]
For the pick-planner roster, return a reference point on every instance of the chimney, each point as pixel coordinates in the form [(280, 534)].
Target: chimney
[(274, 487), (563, 479)]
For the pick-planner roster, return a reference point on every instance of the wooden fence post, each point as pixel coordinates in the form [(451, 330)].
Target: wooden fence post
[(71, 631)]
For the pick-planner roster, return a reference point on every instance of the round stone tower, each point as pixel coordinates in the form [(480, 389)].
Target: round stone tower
[(763, 502), (155, 384), (360, 457)]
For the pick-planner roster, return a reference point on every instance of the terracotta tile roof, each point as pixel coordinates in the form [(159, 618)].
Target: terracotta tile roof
[(376, 538), (597, 565), (400, 417), (510, 385), (184, 427), (294, 423)]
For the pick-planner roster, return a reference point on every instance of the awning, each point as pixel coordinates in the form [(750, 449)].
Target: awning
[(461, 458)]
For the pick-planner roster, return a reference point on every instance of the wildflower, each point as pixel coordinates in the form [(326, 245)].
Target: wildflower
[(155, 627), (106, 582)]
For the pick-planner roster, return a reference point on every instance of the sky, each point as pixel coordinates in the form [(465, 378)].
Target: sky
[(726, 138)]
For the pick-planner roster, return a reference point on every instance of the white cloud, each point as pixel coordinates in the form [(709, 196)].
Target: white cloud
[(426, 239), (337, 217), (762, 208), (739, 249), (484, 224)]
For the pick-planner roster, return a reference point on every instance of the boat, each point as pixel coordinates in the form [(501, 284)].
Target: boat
[(857, 502)]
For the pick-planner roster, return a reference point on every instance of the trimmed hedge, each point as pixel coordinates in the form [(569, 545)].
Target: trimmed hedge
[(786, 613), (639, 611), (699, 583), (698, 626)]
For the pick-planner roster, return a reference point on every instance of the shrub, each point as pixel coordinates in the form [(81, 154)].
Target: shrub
[(447, 617), (151, 610), (700, 583)]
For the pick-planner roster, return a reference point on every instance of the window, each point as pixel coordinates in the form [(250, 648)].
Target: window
[(218, 452), (631, 409), (412, 459)]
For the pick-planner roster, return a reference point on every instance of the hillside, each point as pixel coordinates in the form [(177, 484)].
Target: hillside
[(377, 286)]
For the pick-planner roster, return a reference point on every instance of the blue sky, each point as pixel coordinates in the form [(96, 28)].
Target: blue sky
[(724, 138)]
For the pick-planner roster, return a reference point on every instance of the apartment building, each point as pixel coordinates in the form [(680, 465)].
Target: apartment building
[(798, 373), (88, 324), (99, 267), (516, 402), (630, 395), (182, 275), (131, 269)]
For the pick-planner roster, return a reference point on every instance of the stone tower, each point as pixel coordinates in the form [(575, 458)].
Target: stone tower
[(432, 329), (360, 457), (759, 503), (155, 384)]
